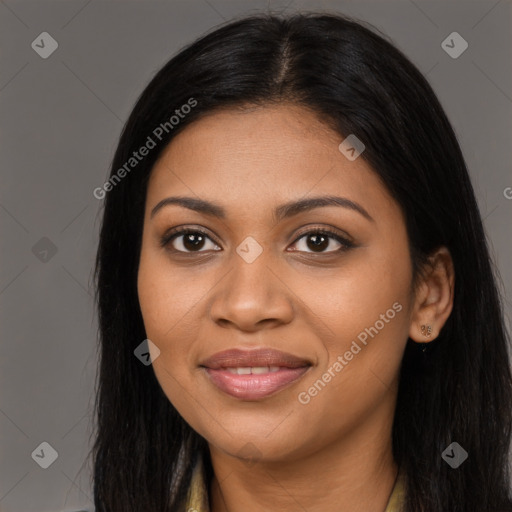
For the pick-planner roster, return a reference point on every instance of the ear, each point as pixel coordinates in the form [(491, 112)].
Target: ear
[(433, 301)]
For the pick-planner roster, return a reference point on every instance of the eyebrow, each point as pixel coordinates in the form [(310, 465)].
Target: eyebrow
[(283, 211)]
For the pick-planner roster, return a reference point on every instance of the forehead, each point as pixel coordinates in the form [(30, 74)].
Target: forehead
[(262, 154)]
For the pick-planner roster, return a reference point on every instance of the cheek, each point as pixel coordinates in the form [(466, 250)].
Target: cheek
[(171, 302), (167, 308), (366, 310), (163, 302), (164, 297)]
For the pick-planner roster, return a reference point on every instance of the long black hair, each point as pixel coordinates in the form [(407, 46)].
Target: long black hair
[(356, 82)]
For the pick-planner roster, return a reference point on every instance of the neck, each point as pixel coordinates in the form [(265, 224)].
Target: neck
[(354, 474)]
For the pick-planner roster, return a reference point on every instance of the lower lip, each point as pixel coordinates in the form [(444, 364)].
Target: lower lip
[(255, 386)]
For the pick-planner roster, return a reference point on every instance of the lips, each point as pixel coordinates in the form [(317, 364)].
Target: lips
[(253, 358), (254, 374)]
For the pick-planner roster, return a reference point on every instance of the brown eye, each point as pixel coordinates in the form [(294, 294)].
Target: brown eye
[(320, 240), (188, 241)]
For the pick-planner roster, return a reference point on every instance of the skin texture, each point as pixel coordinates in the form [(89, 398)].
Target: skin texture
[(334, 452)]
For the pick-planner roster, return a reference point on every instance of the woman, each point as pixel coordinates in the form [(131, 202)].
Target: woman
[(291, 239)]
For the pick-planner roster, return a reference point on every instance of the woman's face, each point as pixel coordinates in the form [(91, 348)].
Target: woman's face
[(262, 279)]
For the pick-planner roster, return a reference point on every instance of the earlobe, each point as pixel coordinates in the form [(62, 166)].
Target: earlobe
[(434, 297), (426, 330), (423, 333)]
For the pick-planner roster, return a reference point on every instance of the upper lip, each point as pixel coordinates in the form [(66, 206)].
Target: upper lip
[(234, 358)]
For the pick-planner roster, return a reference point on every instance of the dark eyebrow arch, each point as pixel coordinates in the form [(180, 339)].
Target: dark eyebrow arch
[(281, 212), (198, 205), (294, 207)]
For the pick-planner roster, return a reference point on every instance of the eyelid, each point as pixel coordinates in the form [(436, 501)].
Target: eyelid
[(335, 233)]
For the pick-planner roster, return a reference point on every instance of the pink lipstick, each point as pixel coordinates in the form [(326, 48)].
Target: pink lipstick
[(254, 374)]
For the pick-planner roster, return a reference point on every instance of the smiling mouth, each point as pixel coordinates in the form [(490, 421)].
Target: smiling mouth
[(254, 386), (255, 374)]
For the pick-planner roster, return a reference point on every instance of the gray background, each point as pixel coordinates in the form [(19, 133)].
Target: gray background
[(60, 121)]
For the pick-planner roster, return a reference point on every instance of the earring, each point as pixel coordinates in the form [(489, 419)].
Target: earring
[(426, 330)]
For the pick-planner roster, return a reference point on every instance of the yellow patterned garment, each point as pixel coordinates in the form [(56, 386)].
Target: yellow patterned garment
[(197, 499)]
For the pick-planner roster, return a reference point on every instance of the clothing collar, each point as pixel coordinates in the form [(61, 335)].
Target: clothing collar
[(197, 498)]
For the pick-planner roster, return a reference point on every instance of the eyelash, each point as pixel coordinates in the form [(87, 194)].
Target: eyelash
[(345, 243)]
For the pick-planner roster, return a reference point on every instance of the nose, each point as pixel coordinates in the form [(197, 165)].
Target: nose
[(252, 296)]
